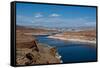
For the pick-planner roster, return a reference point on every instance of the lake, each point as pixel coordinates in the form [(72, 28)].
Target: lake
[(69, 50)]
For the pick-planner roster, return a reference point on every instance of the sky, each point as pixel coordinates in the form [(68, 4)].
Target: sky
[(51, 16)]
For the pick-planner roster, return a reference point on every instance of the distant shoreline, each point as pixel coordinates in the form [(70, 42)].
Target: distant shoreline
[(76, 40)]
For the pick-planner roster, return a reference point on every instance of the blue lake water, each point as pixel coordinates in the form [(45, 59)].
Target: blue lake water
[(71, 51)]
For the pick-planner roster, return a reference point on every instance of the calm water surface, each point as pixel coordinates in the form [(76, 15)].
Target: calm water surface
[(71, 51)]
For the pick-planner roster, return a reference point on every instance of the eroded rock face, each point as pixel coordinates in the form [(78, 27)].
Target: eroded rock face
[(27, 56), (53, 51), (29, 52)]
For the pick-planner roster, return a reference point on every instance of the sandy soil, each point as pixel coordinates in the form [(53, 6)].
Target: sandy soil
[(81, 36)]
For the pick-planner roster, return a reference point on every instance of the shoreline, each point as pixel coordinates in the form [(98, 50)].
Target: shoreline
[(57, 55), (72, 39)]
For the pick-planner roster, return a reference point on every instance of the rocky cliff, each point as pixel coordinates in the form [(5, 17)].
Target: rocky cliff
[(29, 52)]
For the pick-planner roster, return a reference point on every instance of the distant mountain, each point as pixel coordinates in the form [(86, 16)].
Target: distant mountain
[(80, 28), (23, 27)]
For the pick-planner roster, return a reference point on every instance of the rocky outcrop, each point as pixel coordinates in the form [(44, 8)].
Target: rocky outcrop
[(29, 52), (45, 55)]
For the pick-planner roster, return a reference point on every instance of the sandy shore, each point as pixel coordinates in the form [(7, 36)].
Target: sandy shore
[(72, 39)]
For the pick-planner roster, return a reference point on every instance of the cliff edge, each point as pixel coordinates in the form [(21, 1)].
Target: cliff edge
[(30, 52)]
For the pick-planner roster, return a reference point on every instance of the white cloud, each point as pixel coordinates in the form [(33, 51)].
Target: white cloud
[(62, 22), (53, 21), (38, 15), (54, 15)]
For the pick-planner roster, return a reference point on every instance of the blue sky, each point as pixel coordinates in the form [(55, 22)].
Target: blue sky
[(54, 15)]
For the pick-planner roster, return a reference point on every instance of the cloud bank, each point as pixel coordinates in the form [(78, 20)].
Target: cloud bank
[(53, 20)]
